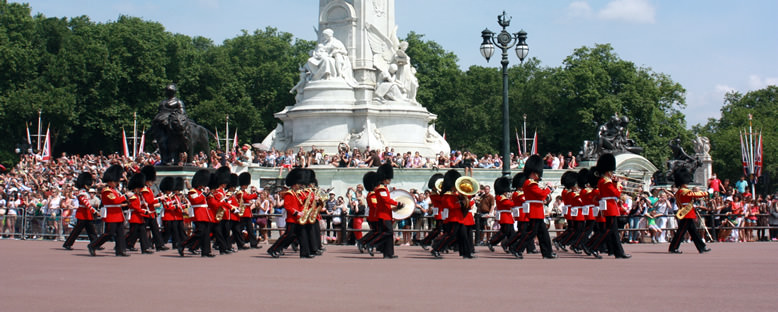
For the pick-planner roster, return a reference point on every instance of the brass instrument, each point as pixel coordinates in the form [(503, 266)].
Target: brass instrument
[(305, 214), (320, 197), (241, 208), (684, 210), (439, 185), (466, 185), (220, 213)]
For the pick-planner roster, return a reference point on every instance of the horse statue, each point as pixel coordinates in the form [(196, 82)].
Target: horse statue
[(175, 133)]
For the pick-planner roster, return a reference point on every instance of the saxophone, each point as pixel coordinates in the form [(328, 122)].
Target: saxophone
[(221, 211)]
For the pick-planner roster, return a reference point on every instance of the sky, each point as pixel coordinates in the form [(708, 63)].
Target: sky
[(710, 47)]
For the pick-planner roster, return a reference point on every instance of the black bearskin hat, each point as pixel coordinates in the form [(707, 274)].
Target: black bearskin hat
[(518, 180), (534, 164), (150, 172), (311, 177), (592, 178), (167, 184), (137, 180), (113, 173), (385, 171), (233, 180), (433, 180), (569, 179), (450, 179), (295, 176), (222, 175), (502, 185), (84, 180), (682, 176), (201, 178), (370, 180), (583, 177), (606, 162), (244, 179), (179, 185)]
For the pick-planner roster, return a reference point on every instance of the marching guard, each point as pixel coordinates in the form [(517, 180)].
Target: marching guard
[(610, 191), (685, 197), (385, 239), (535, 195), (502, 188), (85, 214), (202, 215), (295, 200), (138, 209), (436, 181), (112, 212), (247, 202), (217, 203), (369, 180), (172, 216)]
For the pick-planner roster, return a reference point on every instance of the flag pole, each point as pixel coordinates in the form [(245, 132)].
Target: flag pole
[(134, 134), (39, 130), (227, 135)]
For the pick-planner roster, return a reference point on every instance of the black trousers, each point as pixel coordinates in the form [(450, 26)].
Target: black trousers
[(293, 232), (566, 233), (513, 242), (447, 237), (437, 229), (583, 239), (201, 236), (505, 233), (138, 231), (246, 224), (115, 230), (151, 223), (385, 238), (173, 229), (611, 237), (314, 236), (684, 226), (237, 235), (536, 228), (578, 229), (367, 238), (88, 225)]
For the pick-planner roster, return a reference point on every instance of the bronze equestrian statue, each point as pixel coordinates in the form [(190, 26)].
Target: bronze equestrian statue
[(175, 133)]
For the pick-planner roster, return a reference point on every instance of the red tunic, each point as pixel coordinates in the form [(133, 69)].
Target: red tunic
[(85, 210), (503, 209), (248, 199), (535, 196), (588, 200), (233, 209), (151, 202), (450, 204), (384, 203), (293, 203), (199, 204), (136, 208), (218, 201), (372, 207), (609, 192), (112, 201), (435, 205), (518, 202), (170, 208), (685, 196)]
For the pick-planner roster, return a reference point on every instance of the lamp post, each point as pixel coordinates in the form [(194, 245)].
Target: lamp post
[(505, 41)]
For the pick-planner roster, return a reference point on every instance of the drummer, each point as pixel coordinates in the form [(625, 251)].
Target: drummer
[(384, 241)]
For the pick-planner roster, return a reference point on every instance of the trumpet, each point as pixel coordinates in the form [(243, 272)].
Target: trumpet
[(628, 178)]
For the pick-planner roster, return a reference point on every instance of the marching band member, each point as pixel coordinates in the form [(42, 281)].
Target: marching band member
[(150, 216), (369, 180), (435, 206), (171, 213), (385, 239), (574, 203), (454, 205), (84, 213), (535, 195), (203, 217), (685, 197), (247, 199), (314, 228), (231, 228), (217, 202), (138, 209), (566, 213), (610, 191), (294, 201), (588, 196), (502, 188), (521, 217), (113, 203), (182, 215)]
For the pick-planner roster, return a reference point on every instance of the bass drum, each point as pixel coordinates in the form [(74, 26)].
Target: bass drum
[(402, 196)]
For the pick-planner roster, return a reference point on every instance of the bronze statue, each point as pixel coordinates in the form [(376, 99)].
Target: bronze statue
[(174, 132), (611, 138)]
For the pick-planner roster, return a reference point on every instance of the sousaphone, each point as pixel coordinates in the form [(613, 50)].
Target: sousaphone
[(466, 185)]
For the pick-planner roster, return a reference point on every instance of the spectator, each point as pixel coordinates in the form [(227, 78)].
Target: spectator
[(741, 185), (662, 209), (773, 219), (714, 185)]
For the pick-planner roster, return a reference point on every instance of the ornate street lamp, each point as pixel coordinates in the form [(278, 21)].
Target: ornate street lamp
[(505, 41)]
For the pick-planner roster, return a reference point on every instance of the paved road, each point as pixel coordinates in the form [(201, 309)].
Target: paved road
[(41, 276)]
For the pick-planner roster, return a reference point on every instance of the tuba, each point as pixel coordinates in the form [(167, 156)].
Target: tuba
[(467, 186)]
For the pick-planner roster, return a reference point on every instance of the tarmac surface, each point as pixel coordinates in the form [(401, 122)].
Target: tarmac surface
[(41, 276)]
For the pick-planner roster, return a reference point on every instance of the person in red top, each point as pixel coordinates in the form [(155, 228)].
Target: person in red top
[(231, 228), (453, 204), (684, 197), (113, 203), (435, 206), (610, 191), (171, 213), (535, 195), (84, 213), (201, 215), (294, 199), (150, 217), (138, 208), (384, 240), (502, 188), (218, 201), (369, 180), (521, 217), (568, 180), (588, 197), (248, 198)]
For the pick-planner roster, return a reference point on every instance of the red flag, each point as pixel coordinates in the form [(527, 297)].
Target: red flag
[(758, 160), (235, 140), (47, 147), (125, 149), (142, 141), (534, 150), (744, 157), (518, 142)]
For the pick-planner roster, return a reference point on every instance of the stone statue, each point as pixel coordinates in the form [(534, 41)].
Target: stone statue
[(174, 132), (305, 76), (330, 60), (389, 88), (611, 138), (389, 51), (702, 145), (406, 74)]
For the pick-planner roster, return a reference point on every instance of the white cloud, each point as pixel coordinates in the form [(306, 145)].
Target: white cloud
[(210, 4), (721, 90), (755, 82), (579, 9), (635, 11)]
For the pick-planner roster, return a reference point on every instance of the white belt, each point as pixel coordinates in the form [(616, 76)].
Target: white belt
[(200, 206), (609, 198), (574, 211), (565, 208), (533, 201), (515, 211), (112, 206), (247, 204)]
